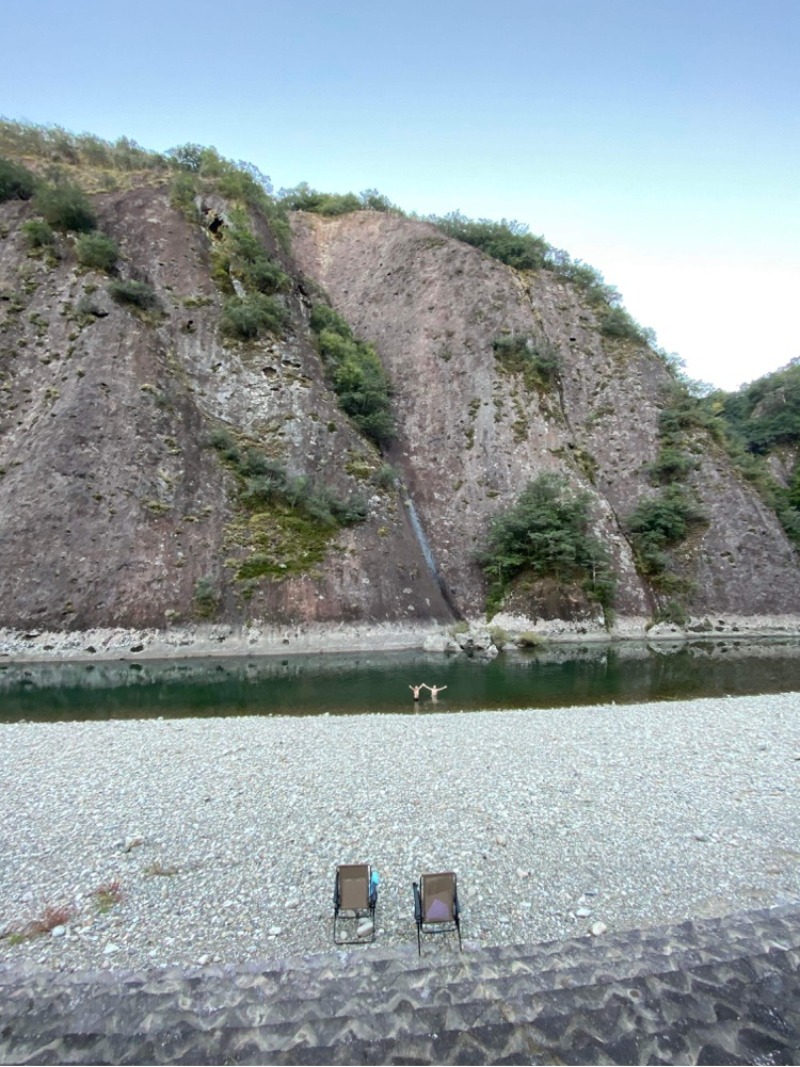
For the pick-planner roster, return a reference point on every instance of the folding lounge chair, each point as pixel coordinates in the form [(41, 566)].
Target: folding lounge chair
[(436, 906), (355, 891)]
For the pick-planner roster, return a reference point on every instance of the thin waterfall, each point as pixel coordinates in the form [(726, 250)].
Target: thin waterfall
[(426, 550)]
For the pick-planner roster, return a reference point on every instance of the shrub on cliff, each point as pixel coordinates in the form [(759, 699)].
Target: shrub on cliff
[(249, 261), (617, 322), (16, 181), (249, 317), (546, 533), (65, 206), (133, 293), (357, 375), (510, 242), (264, 482), (538, 363), (662, 522), (303, 198), (38, 234), (97, 251)]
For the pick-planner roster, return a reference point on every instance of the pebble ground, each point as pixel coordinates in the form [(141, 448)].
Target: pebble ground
[(199, 841)]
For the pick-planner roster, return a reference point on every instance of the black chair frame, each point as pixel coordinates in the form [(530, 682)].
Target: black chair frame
[(356, 913), (447, 927)]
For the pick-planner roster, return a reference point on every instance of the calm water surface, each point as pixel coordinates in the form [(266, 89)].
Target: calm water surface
[(560, 676)]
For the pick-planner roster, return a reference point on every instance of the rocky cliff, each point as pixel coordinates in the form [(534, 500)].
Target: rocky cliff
[(128, 433), (472, 432)]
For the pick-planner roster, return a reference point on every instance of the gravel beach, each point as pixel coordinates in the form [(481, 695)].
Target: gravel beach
[(193, 841)]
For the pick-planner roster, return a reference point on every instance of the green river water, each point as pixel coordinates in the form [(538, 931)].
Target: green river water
[(357, 683)]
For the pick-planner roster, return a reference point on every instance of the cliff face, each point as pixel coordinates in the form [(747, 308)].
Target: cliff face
[(473, 434), (115, 510)]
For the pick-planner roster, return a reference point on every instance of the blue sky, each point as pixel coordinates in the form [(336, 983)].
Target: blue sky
[(658, 141)]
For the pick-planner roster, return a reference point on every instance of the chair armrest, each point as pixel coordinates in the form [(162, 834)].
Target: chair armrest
[(417, 904), (336, 897)]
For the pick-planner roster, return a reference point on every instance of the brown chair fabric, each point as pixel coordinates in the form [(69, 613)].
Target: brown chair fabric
[(354, 886), (438, 892)]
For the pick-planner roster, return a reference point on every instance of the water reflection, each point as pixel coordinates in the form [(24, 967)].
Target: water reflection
[(558, 676)]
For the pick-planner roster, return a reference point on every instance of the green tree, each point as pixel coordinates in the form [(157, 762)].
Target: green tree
[(661, 522), (547, 533)]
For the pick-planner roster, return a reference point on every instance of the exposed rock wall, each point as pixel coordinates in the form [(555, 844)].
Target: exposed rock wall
[(114, 510), (472, 434), (112, 507)]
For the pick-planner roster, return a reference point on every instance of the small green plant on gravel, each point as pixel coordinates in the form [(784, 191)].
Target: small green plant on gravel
[(51, 917), (107, 895)]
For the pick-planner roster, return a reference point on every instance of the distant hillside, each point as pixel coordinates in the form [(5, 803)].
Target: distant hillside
[(221, 404)]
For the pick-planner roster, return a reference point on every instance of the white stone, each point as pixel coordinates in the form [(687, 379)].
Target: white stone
[(598, 928)]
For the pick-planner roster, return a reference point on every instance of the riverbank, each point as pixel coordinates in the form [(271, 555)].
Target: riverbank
[(223, 639), (184, 842)]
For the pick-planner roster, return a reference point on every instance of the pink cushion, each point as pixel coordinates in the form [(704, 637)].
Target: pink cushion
[(437, 911)]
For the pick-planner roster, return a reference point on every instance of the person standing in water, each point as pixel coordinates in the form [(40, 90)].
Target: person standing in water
[(416, 688), (435, 690)]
